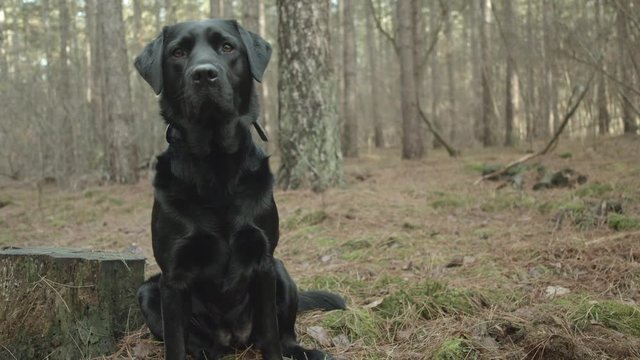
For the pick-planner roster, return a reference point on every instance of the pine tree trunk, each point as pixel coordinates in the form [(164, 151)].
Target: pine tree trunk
[(628, 118), (251, 22), (96, 89), (412, 145), (453, 121), (531, 108), (603, 112), (4, 74), (117, 94), (214, 9), (350, 121), (309, 137), (510, 82), (488, 138), (436, 117), (372, 55)]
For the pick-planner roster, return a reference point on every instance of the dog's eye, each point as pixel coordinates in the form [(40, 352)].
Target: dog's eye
[(178, 53), (226, 47)]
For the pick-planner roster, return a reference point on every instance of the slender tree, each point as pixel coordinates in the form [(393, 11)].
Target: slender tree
[(510, 73), (624, 66), (214, 9), (123, 156), (412, 145), (350, 120), (488, 137), (435, 75), (309, 137), (604, 119), (451, 82), (374, 85)]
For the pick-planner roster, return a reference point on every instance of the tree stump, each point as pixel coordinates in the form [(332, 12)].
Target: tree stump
[(58, 303)]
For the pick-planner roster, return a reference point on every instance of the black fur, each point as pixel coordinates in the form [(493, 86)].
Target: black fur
[(214, 220)]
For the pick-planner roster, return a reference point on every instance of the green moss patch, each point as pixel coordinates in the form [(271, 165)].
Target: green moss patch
[(615, 315), (455, 349), (429, 299), (301, 218), (594, 190), (620, 222), (356, 323)]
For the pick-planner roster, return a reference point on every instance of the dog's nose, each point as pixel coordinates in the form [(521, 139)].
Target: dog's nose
[(204, 74)]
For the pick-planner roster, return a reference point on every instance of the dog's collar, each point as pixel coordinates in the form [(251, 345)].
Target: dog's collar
[(260, 130), (172, 134)]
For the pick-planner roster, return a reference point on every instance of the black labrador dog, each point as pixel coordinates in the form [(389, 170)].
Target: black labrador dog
[(214, 219)]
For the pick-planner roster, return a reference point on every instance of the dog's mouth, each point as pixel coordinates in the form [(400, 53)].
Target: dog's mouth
[(204, 101)]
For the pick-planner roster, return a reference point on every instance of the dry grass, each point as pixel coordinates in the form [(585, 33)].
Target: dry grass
[(432, 266)]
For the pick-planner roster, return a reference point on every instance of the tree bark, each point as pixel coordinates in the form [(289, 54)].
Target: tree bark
[(350, 120), (309, 137), (531, 108), (117, 95), (96, 89), (412, 145), (75, 303), (374, 86), (227, 9), (435, 77), (4, 73), (67, 158), (624, 63), (488, 137), (251, 21), (450, 77), (214, 9), (604, 119), (511, 80)]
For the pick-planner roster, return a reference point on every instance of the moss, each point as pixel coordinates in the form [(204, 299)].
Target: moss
[(594, 190), (618, 316), (356, 323), (447, 201), (352, 255), (620, 222), (430, 299), (300, 219), (505, 201), (455, 349)]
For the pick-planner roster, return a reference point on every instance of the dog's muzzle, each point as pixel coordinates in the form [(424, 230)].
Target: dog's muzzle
[(204, 75)]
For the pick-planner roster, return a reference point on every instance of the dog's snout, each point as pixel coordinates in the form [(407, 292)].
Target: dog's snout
[(204, 74)]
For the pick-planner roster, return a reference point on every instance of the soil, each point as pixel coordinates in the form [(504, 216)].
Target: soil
[(395, 225)]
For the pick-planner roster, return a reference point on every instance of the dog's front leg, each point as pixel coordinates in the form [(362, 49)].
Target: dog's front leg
[(176, 312), (263, 297)]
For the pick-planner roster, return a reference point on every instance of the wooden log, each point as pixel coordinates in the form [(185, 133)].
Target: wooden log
[(58, 303)]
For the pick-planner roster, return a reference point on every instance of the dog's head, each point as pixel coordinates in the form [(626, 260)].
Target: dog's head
[(205, 69)]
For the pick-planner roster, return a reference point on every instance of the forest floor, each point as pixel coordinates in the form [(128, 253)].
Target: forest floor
[(432, 265)]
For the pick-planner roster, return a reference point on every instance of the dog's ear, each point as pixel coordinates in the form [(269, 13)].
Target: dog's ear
[(258, 51), (149, 63)]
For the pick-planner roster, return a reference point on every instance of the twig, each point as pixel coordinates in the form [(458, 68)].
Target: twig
[(551, 142), (9, 351), (452, 152), (611, 238), (386, 34), (435, 36)]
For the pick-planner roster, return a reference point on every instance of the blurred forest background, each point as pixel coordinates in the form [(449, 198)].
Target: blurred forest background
[(485, 73)]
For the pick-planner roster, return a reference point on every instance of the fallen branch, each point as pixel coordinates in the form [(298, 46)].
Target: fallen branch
[(452, 152), (550, 144), (614, 237)]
